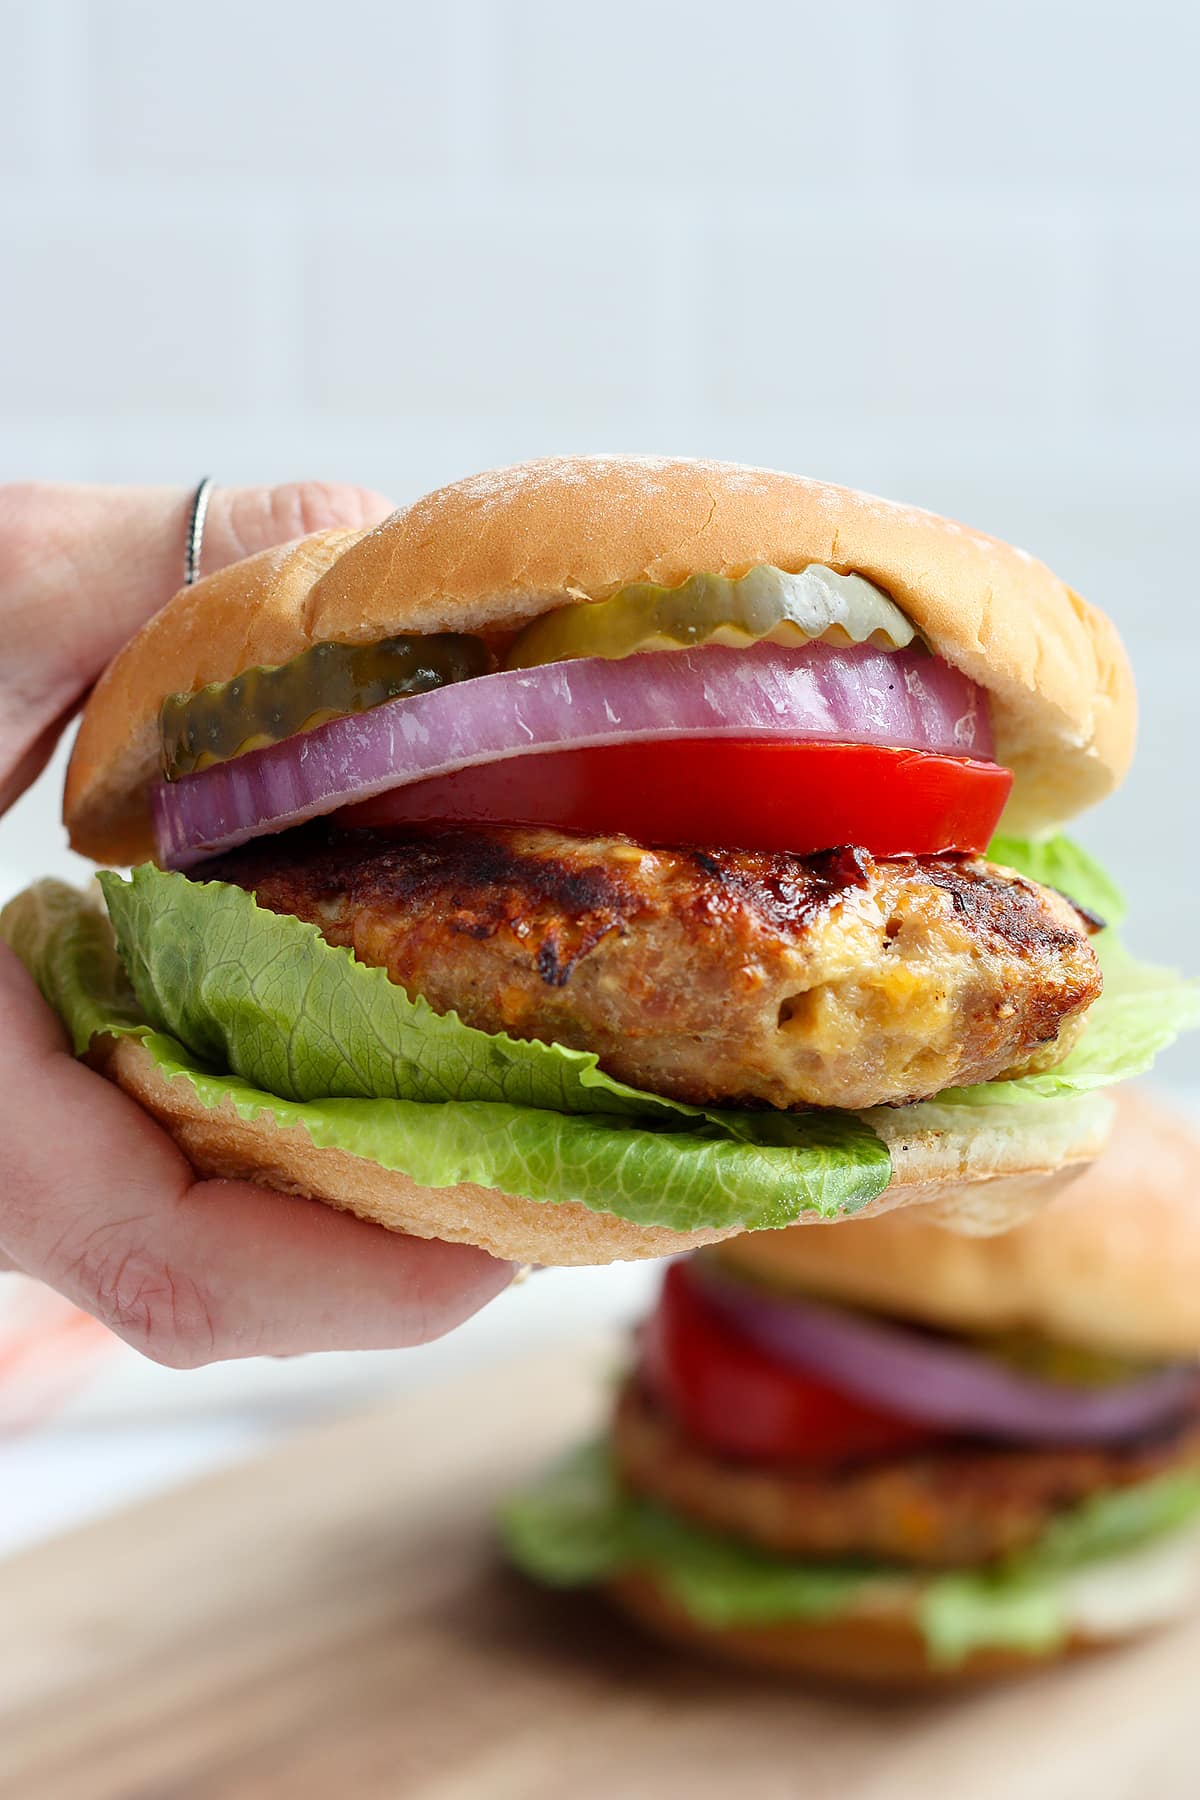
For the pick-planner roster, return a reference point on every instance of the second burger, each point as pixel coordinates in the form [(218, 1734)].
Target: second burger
[(893, 1453)]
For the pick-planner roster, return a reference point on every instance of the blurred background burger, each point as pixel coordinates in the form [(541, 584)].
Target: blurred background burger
[(891, 1453)]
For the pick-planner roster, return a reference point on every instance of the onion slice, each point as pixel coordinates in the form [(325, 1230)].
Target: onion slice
[(918, 1376), (905, 700)]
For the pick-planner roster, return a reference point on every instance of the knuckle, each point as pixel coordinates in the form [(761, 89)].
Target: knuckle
[(159, 1310), (253, 519), (299, 507)]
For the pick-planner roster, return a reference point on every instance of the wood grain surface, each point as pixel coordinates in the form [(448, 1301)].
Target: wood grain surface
[(332, 1621)]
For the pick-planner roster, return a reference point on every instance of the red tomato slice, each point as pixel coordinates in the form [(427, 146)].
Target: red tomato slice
[(740, 793), (731, 1397)]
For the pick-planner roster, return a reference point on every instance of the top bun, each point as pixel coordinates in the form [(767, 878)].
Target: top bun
[(1113, 1265), (494, 551)]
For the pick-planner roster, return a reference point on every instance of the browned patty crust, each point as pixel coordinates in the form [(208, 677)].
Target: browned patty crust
[(953, 1507), (707, 975)]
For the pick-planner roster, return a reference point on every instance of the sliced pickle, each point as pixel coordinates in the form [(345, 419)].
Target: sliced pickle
[(1069, 1364), (765, 605), (264, 706)]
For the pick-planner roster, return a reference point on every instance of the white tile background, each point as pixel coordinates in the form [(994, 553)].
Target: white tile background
[(947, 251)]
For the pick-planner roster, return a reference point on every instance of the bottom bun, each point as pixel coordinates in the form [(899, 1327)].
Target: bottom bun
[(983, 1168), (876, 1651)]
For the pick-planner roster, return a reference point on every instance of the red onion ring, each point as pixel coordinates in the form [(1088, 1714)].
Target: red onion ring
[(934, 1381), (905, 700)]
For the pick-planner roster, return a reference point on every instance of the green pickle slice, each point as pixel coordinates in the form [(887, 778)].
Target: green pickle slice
[(817, 605), (1071, 1365), (265, 705)]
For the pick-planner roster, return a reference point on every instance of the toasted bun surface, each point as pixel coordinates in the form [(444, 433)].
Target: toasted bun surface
[(498, 549), (983, 1185), (1113, 1265), (878, 1651)]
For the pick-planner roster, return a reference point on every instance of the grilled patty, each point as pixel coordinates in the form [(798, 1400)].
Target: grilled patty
[(707, 975), (946, 1508)]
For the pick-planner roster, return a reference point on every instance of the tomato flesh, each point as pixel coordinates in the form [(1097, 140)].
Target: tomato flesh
[(741, 793), (734, 1399)]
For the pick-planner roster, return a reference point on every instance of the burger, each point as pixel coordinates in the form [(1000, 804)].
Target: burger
[(608, 855), (893, 1453)]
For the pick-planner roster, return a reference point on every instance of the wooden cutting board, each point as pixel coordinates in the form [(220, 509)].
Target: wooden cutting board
[(332, 1621)]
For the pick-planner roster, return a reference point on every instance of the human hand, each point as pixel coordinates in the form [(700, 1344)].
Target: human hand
[(95, 1199)]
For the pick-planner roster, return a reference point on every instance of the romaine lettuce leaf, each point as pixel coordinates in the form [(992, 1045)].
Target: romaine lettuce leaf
[(958, 1614), (1059, 862), (1024, 1603), (571, 1526), (66, 942), (530, 1119), (1142, 1010), (1108, 1524), (576, 1527)]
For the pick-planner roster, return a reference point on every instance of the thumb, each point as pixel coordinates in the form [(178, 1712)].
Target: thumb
[(99, 561), (243, 520)]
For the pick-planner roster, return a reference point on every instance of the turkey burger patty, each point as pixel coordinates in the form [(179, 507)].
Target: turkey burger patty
[(708, 975), (953, 1504)]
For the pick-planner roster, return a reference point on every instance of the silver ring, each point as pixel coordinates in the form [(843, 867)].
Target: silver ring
[(197, 513)]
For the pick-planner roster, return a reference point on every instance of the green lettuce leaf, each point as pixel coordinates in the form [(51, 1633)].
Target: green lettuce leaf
[(576, 1527), (571, 1527), (243, 1003), (1021, 1604), (1141, 1012), (1108, 1524), (66, 942), (1059, 862), (959, 1614)]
